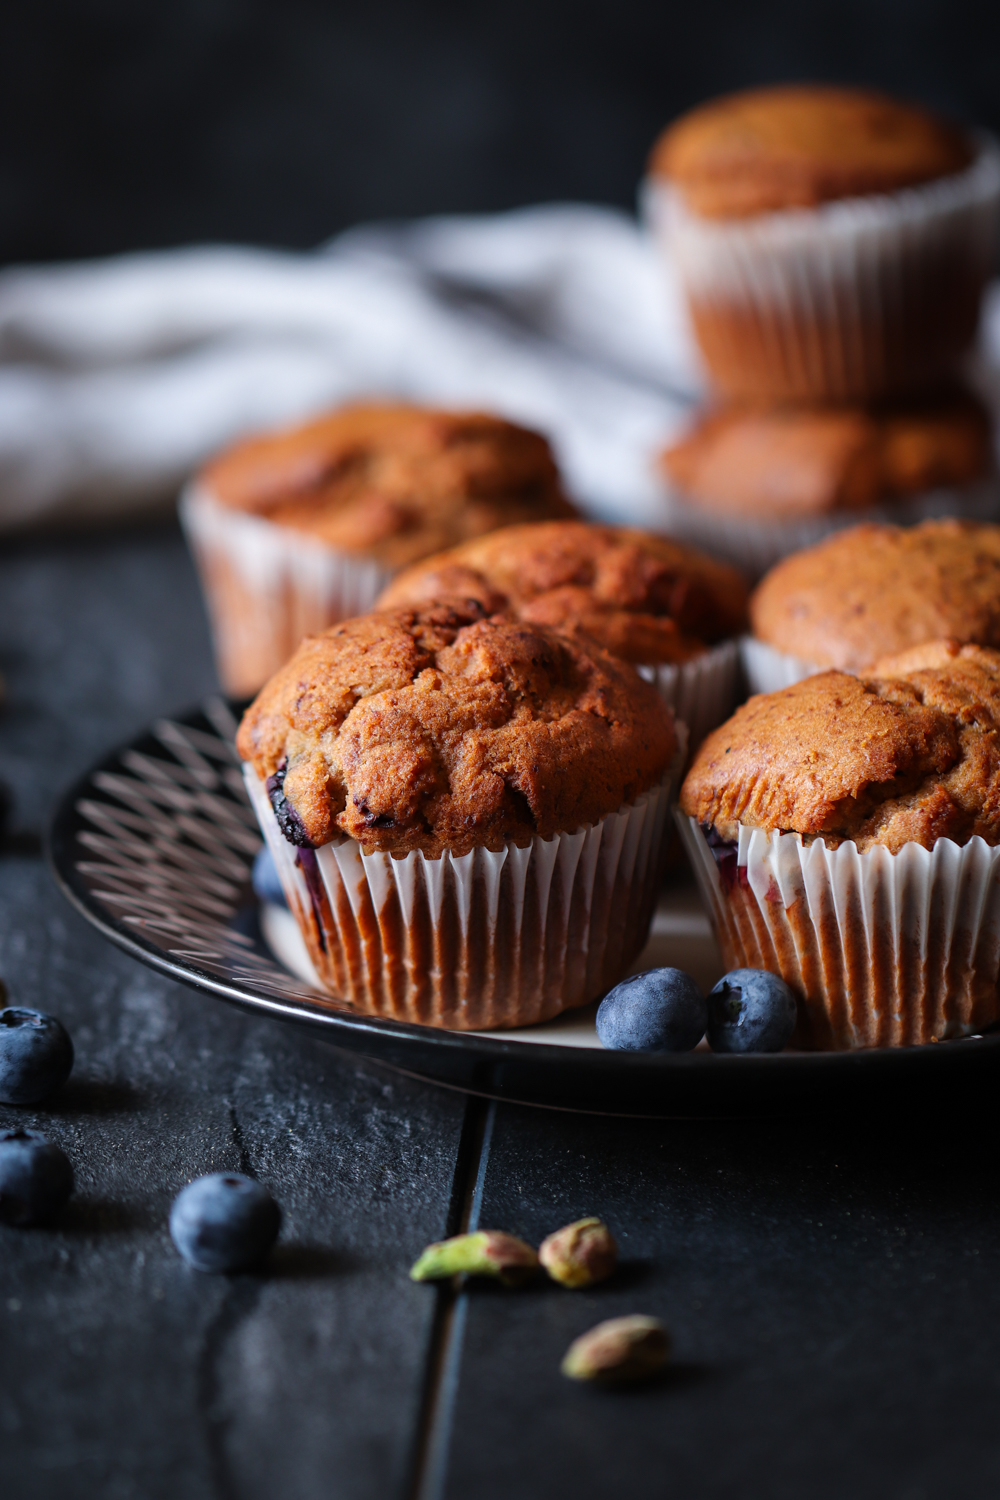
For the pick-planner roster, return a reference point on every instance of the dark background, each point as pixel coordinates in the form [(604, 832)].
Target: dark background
[(127, 124)]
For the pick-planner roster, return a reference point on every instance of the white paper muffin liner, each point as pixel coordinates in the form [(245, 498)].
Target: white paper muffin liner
[(754, 546), (850, 299), (702, 692), (267, 586), (483, 939), (768, 670), (883, 950)]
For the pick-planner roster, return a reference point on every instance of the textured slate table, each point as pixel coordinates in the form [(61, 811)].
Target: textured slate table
[(832, 1283)]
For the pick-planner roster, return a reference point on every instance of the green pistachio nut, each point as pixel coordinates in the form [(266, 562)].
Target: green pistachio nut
[(618, 1351), (580, 1254), (488, 1252)]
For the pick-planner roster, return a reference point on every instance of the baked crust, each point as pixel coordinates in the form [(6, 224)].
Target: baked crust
[(442, 729), (787, 463), (643, 597), (392, 482), (799, 146), (909, 755), (876, 590)]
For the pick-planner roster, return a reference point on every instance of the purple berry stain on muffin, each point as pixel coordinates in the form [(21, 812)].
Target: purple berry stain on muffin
[(288, 819), (307, 862), (725, 852)]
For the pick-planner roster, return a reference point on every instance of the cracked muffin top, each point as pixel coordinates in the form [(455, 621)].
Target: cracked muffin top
[(876, 590), (392, 482), (796, 146), (784, 463), (442, 729), (643, 597), (908, 755)]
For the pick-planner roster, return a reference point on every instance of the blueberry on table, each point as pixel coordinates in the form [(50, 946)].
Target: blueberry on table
[(266, 885), (662, 1010), (36, 1055), (750, 1010), (35, 1178), (224, 1222)]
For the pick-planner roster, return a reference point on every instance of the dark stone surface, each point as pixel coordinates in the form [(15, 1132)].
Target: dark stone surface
[(833, 1291), (123, 1372)]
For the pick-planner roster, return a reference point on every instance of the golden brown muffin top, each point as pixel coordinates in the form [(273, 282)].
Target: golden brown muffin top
[(392, 482), (787, 463), (909, 755), (876, 590), (643, 597), (797, 146), (440, 729)]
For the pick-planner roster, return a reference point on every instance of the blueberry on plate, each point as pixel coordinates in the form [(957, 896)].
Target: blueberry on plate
[(36, 1055), (266, 885), (224, 1222), (35, 1178), (750, 1010), (662, 1010)]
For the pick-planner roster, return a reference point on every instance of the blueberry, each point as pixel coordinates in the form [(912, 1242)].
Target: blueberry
[(267, 886), (750, 1010), (35, 1178), (36, 1055), (662, 1010), (224, 1222)]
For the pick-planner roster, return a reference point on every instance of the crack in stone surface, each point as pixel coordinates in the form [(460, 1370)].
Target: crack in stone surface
[(447, 1331), (239, 1141), (238, 1304)]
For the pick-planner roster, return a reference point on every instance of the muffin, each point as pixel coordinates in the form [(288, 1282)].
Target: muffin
[(871, 592), (844, 833), (833, 244), (670, 611), (297, 529), (466, 813), (781, 478)]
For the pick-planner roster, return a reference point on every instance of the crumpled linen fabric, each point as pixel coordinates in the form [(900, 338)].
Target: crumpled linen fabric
[(118, 377)]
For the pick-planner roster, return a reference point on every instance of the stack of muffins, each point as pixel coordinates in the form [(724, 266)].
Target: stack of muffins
[(833, 246)]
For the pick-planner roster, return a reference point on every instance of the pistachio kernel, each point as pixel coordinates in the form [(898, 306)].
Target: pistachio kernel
[(580, 1254), (618, 1351), (488, 1252)]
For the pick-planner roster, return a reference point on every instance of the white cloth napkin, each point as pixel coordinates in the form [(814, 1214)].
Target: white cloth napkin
[(118, 377)]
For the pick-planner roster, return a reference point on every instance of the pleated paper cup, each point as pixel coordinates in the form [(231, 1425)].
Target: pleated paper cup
[(754, 546), (482, 939), (768, 670), (882, 949), (702, 692), (856, 298), (267, 586)]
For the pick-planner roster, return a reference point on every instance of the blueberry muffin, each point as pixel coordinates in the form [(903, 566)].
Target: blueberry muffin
[(466, 812), (296, 529), (873, 591), (845, 834), (780, 478), (670, 610), (799, 463), (790, 211)]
